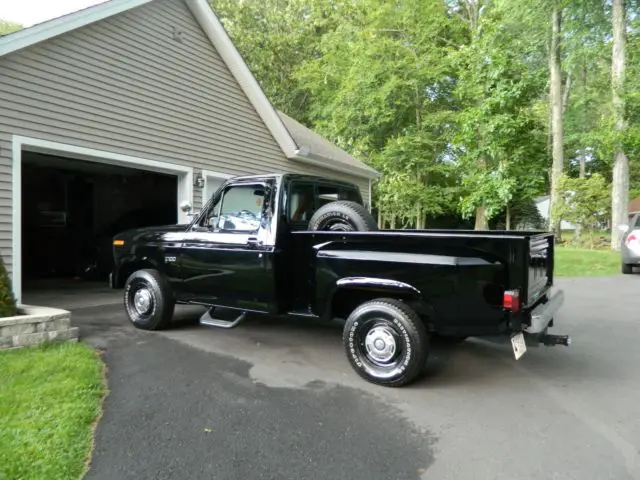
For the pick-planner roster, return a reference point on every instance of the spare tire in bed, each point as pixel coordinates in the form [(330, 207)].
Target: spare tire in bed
[(343, 216)]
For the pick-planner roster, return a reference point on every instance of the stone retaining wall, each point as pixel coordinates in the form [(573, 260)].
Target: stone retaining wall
[(36, 325)]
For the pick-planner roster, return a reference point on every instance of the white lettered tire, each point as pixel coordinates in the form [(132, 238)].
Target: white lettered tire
[(386, 342), (148, 300)]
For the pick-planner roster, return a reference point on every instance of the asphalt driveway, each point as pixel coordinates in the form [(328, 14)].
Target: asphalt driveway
[(278, 400)]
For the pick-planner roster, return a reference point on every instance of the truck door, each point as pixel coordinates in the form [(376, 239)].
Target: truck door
[(226, 258)]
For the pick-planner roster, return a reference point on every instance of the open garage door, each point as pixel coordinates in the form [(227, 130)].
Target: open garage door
[(70, 210)]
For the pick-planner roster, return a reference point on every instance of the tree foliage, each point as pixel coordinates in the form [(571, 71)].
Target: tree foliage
[(7, 27), (449, 99), (584, 202)]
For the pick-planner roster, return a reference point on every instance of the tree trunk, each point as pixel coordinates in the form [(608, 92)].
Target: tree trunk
[(481, 219), (620, 191), (556, 115), (481, 213), (380, 219), (508, 218)]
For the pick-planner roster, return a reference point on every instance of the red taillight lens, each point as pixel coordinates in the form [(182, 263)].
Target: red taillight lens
[(631, 238), (511, 300)]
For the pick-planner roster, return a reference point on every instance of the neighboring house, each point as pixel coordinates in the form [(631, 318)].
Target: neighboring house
[(634, 205), (543, 204), (155, 85)]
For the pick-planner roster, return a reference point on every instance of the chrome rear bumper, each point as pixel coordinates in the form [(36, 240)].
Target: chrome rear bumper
[(542, 315)]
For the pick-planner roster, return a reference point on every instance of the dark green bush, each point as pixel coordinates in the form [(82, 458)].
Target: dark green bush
[(7, 300)]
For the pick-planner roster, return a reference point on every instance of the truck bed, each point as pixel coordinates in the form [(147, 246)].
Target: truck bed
[(463, 273)]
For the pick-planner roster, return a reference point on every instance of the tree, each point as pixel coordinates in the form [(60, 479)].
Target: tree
[(7, 27), (620, 191), (555, 98), (583, 201), (499, 140)]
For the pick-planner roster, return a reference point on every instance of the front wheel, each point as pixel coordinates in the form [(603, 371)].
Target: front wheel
[(386, 342), (148, 300)]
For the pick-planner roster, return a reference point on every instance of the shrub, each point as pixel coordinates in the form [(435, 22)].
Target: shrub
[(7, 300)]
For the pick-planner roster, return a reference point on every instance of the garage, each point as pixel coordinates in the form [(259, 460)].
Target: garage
[(73, 201), (115, 114), (72, 208)]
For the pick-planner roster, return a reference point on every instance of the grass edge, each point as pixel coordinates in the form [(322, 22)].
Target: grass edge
[(96, 421)]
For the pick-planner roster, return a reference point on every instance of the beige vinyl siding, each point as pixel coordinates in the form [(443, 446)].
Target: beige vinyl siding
[(126, 85)]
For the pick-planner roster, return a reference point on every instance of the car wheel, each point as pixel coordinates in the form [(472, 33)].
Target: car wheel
[(148, 300), (627, 269), (386, 342), (343, 216)]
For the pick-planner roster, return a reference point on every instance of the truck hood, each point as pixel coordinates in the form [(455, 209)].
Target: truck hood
[(137, 232)]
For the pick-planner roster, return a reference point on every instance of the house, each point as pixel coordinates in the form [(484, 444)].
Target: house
[(543, 204), (128, 105), (634, 205)]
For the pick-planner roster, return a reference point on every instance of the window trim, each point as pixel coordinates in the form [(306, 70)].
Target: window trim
[(219, 200)]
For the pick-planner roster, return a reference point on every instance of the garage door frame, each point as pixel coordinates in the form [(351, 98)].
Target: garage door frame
[(207, 191), (183, 173)]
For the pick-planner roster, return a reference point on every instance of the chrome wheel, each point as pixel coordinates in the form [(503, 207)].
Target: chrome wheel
[(381, 344), (142, 301)]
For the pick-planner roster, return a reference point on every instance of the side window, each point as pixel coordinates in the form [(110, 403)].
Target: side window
[(327, 194), (351, 194), (637, 223), (239, 209), (301, 205)]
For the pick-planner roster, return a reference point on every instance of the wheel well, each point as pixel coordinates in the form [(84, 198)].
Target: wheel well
[(345, 301), (130, 267)]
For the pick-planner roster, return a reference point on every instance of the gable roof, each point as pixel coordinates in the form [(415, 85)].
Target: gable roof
[(296, 141), (317, 147)]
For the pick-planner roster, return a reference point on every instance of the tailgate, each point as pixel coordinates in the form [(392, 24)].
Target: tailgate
[(540, 267)]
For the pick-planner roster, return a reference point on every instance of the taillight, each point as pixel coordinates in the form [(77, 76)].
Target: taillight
[(511, 300), (631, 238)]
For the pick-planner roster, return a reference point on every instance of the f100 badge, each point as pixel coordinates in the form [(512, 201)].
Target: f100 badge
[(169, 259)]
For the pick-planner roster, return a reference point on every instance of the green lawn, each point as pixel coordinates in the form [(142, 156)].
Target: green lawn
[(576, 262), (50, 398)]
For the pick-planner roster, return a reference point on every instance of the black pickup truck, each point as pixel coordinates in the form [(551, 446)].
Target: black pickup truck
[(305, 246)]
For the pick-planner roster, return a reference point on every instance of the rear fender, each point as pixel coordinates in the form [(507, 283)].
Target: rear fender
[(349, 292)]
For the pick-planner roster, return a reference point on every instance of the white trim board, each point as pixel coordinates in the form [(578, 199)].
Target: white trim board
[(19, 144), (219, 38), (207, 174)]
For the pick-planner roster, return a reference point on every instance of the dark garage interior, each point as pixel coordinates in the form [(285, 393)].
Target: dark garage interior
[(72, 208)]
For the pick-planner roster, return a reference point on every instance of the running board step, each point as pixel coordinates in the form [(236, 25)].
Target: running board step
[(208, 320)]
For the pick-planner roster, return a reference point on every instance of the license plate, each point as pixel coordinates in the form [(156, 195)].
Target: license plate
[(518, 344)]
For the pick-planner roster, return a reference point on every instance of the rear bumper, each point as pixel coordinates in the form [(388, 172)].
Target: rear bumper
[(542, 315)]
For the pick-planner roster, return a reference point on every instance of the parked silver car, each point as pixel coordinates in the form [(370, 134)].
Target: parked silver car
[(630, 248)]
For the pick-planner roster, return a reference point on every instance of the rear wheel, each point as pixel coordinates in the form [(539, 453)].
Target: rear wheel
[(627, 269), (386, 342), (148, 300)]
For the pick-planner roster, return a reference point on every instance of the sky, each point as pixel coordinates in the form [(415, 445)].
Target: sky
[(28, 12)]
